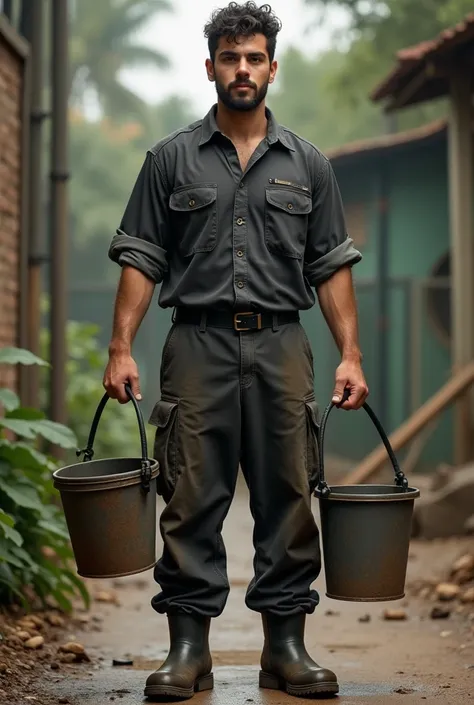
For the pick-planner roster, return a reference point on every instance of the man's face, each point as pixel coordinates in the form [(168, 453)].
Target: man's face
[(242, 72)]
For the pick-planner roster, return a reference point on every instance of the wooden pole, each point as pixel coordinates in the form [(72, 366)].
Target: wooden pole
[(461, 184), (452, 390)]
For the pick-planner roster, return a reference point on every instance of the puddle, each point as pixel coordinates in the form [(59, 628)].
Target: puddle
[(219, 659)]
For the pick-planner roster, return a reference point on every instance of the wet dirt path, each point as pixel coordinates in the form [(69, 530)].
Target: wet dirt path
[(416, 661)]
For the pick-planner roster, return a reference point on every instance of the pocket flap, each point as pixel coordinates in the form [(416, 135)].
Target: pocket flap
[(193, 198), (312, 407), (290, 201), (162, 413)]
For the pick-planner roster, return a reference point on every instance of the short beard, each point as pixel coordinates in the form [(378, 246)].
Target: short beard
[(241, 104)]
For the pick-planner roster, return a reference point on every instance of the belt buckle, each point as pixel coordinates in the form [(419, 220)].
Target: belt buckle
[(238, 323)]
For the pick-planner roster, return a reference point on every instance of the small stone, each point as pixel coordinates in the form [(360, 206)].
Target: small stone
[(72, 648), (37, 621), (395, 614), (24, 636), (447, 591), (35, 643), (365, 618), (3, 667), (63, 701), (107, 596), (55, 620), (68, 658), (468, 596), (54, 666), (331, 613), (26, 625), (465, 562), (404, 691), (440, 613), (445, 634)]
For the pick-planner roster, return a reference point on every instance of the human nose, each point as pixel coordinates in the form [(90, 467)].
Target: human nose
[(243, 69)]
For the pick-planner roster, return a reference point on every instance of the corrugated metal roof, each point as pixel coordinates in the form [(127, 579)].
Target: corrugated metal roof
[(412, 60), (387, 142)]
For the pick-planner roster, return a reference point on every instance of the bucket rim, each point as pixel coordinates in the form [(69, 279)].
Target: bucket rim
[(339, 492), (61, 481)]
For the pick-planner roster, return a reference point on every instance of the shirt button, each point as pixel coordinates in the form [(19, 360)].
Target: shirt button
[(240, 285), (240, 221), (192, 203), (242, 185), (240, 253)]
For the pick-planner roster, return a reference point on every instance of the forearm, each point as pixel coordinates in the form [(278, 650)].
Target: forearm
[(134, 295), (338, 305)]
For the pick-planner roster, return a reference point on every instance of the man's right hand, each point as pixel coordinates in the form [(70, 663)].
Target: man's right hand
[(121, 369)]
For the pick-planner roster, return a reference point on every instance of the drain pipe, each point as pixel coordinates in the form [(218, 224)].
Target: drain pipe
[(59, 208), (33, 11)]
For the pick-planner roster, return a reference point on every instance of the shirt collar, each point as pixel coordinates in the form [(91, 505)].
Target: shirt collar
[(275, 132)]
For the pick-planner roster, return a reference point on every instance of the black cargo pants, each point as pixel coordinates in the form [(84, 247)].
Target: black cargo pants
[(230, 398)]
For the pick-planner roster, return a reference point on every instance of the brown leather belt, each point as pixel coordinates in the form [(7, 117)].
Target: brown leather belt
[(240, 321)]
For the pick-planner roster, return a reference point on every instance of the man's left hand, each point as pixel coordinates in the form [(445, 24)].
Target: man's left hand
[(349, 375)]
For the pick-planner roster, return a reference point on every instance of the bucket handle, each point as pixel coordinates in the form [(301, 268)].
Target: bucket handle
[(322, 486), (88, 452)]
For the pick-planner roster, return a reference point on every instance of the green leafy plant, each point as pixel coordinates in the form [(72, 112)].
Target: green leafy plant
[(35, 552), (117, 435)]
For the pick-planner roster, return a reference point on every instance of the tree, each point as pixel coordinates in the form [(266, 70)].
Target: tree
[(107, 157), (377, 31), (103, 43), (306, 102)]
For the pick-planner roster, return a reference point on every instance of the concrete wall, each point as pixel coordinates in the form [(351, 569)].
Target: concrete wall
[(11, 70)]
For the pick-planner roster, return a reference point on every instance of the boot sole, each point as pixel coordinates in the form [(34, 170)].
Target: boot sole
[(270, 682), (171, 691)]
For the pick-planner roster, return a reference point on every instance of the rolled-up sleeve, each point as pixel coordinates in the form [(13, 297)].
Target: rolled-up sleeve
[(329, 246), (141, 240)]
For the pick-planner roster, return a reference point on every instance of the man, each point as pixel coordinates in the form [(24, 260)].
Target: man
[(238, 219)]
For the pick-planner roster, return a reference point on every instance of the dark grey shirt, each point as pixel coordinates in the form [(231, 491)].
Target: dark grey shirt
[(217, 237)]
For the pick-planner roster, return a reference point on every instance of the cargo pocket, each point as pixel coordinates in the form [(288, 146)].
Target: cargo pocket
[(165, 418), (312, 442)]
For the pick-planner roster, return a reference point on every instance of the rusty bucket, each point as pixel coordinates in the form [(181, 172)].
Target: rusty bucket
[(365, 531), (110, 507)]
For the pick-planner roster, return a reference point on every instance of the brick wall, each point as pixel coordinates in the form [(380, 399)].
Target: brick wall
[(10, 165)]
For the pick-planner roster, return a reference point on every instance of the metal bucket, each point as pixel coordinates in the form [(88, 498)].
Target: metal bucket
[(365, 531), (110, 508)]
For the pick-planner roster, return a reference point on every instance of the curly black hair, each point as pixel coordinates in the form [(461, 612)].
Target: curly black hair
[(242, 20)]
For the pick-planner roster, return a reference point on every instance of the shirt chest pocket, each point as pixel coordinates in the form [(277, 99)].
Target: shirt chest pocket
[(286, 221), (194, 218)]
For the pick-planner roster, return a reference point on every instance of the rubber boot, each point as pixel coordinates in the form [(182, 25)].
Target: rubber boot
[(188, 667), (286, 665)]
